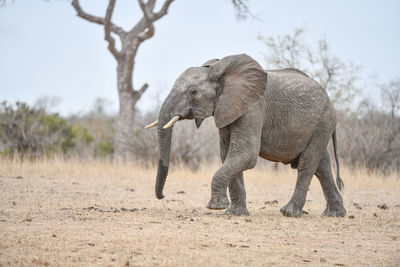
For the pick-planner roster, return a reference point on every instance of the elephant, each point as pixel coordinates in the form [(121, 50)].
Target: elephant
[(280, 115)]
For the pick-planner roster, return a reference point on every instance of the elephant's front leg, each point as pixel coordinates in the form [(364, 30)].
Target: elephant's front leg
[(219, 199), (239, 152), (237, 194)]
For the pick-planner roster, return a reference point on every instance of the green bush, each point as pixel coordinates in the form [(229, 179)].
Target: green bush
[(30, 130), (82, 134), (104, 147)]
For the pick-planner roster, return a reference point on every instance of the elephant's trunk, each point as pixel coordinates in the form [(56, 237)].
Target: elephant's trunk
[(164, 143)]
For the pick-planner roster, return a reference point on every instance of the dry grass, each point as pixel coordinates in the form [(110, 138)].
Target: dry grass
[(74, 213)]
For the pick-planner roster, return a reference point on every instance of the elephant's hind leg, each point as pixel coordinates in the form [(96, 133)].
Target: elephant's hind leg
[(307, 165), (334, 202)]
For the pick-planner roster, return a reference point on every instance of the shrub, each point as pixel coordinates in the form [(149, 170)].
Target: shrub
[(105, 147), (31, 130)]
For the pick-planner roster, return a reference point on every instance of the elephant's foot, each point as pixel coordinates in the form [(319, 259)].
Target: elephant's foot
[(291, 210), (237, 209), (218, 202), (334, 210)]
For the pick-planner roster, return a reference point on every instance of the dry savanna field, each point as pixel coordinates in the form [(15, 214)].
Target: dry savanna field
[(67, 213)]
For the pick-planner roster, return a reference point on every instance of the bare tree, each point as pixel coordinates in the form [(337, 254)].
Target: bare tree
[(125, 57), (336, 77), (390, 94), (371, 135)]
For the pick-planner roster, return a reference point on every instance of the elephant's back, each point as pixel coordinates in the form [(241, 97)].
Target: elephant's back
[(292, 91), (293, 104), (293, 82)]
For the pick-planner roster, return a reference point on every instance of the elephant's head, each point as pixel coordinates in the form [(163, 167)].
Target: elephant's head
[(224, 88)]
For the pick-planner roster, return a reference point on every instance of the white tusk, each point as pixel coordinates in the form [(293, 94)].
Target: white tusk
[(151, 125), (171, 122)]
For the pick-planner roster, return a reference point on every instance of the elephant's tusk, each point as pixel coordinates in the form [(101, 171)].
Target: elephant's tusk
[(151, 125), (171, 122)]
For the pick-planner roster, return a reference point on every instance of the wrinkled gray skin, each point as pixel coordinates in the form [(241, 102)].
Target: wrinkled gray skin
[(279, 115)]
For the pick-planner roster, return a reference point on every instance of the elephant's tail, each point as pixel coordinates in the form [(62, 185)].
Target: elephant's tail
[(339, 181)]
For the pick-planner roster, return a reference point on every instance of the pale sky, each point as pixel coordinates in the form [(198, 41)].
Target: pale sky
[(46, 50)]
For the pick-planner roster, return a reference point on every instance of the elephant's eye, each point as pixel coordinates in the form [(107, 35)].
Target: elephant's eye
[(193, 91)]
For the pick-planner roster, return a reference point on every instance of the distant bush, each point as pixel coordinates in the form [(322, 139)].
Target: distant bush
[(82, 134), (32, 131), (104, 147), (368, 138)]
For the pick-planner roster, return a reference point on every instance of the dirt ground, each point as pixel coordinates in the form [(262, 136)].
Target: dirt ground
[(71, 213)]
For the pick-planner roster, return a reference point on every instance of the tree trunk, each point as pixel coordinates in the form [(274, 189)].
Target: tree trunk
[(127, 100)]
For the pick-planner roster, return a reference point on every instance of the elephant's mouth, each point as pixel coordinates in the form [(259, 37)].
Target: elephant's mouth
[(201, 112), (190, 114)]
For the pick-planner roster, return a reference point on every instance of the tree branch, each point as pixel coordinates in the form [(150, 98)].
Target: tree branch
[(82, 14), (138, 94), (147, 20), (147, 9), (107, 33), (241, 9), (147, 33), (143, 89), (149, 17), (163, 11)]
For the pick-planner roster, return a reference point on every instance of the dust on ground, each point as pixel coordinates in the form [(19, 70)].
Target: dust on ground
[(60, 213)]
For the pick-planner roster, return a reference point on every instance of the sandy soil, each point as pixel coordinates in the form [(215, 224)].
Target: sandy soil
[(57, 213)]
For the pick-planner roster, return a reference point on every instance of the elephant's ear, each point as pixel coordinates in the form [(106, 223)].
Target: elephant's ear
[(242, 84)]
